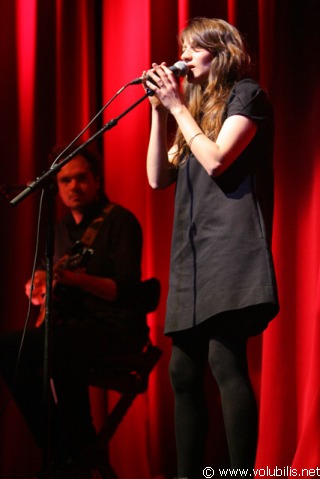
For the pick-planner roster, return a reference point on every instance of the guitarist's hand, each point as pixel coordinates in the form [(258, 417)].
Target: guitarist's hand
[(39, 288)]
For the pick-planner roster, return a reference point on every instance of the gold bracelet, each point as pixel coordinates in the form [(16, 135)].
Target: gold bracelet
[(191, 139)]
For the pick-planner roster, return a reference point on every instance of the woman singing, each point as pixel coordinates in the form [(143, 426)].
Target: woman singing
[(222, 282)]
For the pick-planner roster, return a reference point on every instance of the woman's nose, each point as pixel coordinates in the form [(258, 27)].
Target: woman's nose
[(186, 55)]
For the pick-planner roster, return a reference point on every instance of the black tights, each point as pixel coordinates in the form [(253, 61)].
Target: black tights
[(228, 363)]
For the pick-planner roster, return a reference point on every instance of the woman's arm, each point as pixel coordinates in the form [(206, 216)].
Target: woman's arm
[(160, 170), (215, 157), (236, 133)]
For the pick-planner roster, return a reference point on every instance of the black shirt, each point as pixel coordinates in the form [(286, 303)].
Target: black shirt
[(117, 251), (221, 257)]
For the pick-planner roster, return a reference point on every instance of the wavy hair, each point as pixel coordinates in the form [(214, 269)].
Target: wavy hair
[(230, 63)]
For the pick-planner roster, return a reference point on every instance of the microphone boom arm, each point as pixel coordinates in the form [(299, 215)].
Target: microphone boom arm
[(34, 185)]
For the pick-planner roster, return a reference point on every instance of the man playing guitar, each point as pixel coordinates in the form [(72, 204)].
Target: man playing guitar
[(95, 311)]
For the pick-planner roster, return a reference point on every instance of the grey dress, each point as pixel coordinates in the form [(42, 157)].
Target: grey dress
[(221, 257)]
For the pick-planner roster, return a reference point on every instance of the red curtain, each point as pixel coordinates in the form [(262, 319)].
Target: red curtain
[(60, 63)]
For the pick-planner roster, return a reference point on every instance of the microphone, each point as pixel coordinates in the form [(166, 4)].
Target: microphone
[(179, 69)]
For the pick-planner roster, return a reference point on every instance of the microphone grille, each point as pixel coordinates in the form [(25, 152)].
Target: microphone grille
[(182, 67)]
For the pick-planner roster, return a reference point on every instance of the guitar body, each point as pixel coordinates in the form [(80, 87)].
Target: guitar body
[(80, 254)]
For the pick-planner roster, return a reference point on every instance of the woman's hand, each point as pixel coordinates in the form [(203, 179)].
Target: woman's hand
[(165, 87), (154, 101)]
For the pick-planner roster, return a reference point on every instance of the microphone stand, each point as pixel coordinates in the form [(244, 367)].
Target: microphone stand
[(43, 180)]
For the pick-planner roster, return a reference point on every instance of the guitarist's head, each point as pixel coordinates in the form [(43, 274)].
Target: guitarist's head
[(79, 183)]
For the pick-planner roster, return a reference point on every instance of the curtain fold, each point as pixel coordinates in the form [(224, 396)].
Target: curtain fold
[(60, 63)]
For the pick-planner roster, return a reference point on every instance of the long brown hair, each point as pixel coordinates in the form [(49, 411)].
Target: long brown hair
[(230, 63)]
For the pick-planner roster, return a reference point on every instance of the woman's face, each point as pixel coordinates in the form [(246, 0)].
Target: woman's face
[(199, 62)]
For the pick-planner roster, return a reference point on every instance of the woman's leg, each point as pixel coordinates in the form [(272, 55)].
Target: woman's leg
[(187, 365), (228, 363)]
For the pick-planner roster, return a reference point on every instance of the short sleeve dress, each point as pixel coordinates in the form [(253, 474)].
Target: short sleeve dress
[(221, 257)]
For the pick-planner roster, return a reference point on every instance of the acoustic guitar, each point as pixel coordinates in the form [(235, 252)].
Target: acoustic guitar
[(78, 258)]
